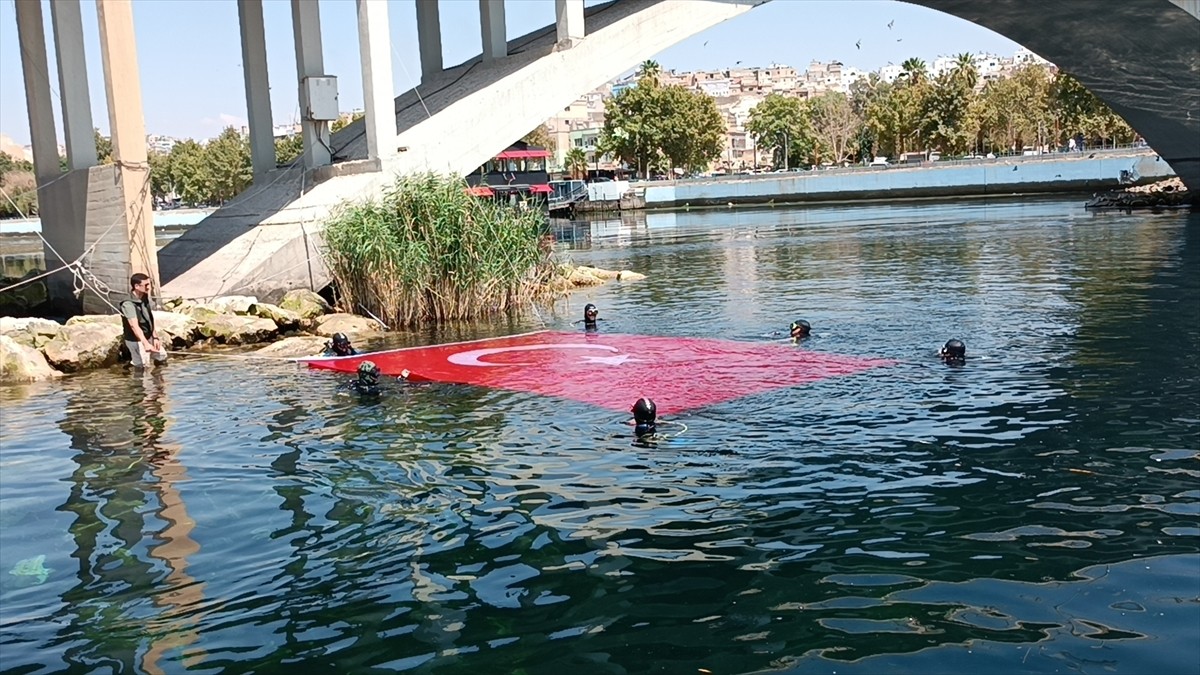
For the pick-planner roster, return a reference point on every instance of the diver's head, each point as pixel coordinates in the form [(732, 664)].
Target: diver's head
[(800, 328), (954, 350), (590, 312), (644, 410), (368, 372), (341, 344)]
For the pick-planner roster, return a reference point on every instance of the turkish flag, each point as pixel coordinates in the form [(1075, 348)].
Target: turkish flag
[(613, 370)]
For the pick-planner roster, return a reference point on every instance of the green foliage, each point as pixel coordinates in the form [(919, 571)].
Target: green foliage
[(1077, 110), (288, 149), (1016, 109), (20, 184), (835, 126), (655, 128), (576, 162), (344, 121), (540, 138), (229, 167), (103, 147), (428, 252), (784, 122)]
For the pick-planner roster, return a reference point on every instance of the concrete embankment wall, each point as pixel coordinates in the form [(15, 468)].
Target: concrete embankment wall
[(987, 177)]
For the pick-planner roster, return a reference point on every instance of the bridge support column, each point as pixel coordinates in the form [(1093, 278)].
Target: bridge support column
[(42, 133), (137, 250), (379, 102), (429, 38), (258, 87), (310, 62), (67, 19), (569, 19), (495, 35)]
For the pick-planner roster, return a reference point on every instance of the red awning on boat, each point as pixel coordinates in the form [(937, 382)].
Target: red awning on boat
[(523, 154), (480, 191), (536, 189)]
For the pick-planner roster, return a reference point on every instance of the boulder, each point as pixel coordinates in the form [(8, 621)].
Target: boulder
[(626, 275), (176, 330), (606, 275), (19, 363), (284, 318), (291, 347), (110, 319), (238, 330), (580, 276), (31, 332), (200, 313), (351, 324), (83, 345), (305, 303), (233, 304)]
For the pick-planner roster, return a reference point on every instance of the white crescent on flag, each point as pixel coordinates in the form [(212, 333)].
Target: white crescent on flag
[(472, 357)]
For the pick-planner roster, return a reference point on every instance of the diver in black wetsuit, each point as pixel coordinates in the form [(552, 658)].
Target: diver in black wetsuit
[(954, 352), (590, 316), (366, 385), (645, 419), (800, 329), (339, 346)]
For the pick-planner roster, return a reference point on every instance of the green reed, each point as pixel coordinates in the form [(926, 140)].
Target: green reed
[(426, 251)]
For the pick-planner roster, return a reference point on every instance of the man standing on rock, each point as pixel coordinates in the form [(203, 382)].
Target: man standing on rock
[(138, 325)]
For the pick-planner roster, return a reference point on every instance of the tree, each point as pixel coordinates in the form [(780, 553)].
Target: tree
[(189, 172), (540, 138), (913, 71), (693, 133), (966, 70), (785, 124), (649, 70), (161, 181), (345, 120), (576, 162), (103, 147), (20, 184), (945, 115), (228, 159), (835, 125), (1077, 110), (288, 148)]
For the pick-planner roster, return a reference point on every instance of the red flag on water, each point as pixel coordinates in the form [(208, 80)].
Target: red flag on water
[(613, 370)]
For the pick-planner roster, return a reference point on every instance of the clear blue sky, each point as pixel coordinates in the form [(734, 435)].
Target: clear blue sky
[(190, 54)]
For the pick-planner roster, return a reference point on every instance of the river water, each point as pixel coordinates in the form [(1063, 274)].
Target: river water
[(1034, 511)]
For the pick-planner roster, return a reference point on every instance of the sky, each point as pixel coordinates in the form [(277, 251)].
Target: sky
[(189, 51)]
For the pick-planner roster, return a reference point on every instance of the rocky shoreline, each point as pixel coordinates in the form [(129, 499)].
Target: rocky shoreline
[(33, 349), (1170, 193)]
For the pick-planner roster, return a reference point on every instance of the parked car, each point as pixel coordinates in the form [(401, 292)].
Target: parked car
[(879, 161)]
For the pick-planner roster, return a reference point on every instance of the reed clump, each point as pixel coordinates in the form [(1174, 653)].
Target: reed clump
[(429, 252)]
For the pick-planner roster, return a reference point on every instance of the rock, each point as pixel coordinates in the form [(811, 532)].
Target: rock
[(20, 363), (176, 330), (85, 344), (233, 304), (626, 275), (303, 345), (305, 303), (606, 275), (351, 324), (284, 318), (113, 319), (238, 330), (200, 313), (31, 332), (26, 296), (581, 277)]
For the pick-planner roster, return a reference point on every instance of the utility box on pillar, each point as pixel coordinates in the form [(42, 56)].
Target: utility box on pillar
[(320, 98)]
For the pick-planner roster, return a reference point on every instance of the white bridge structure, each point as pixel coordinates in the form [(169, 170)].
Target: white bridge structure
[(1139, 56)]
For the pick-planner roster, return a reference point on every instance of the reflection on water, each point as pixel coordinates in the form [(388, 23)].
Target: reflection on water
[(1033, 511)]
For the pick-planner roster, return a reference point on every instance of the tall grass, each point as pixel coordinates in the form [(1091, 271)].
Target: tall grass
[(429, 252)]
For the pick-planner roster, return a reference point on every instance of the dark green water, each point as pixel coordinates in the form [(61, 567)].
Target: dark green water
[(1035, 511)]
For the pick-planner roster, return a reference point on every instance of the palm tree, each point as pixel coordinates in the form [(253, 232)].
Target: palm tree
[(965, 68), (649, 70), (913, 70), (576, 162)]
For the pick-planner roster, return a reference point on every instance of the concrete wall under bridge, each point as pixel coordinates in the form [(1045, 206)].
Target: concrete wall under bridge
[(985, 177)]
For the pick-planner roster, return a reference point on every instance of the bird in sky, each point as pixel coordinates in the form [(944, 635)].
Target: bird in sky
[(858, 45), (705, 43), (900, 40), (890, 24)]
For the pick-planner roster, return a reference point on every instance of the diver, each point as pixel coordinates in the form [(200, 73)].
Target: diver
[(954, 352), (339, 346), (645, 419), (366, 385), (799, 329), (590, 316)]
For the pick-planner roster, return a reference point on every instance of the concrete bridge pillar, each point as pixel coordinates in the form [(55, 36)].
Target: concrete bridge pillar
[(429, 37), (122, 84), (258, 87), (42, 133), (379, 104), (67, 19), (495, 35), (569, 21), (310, 62)]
